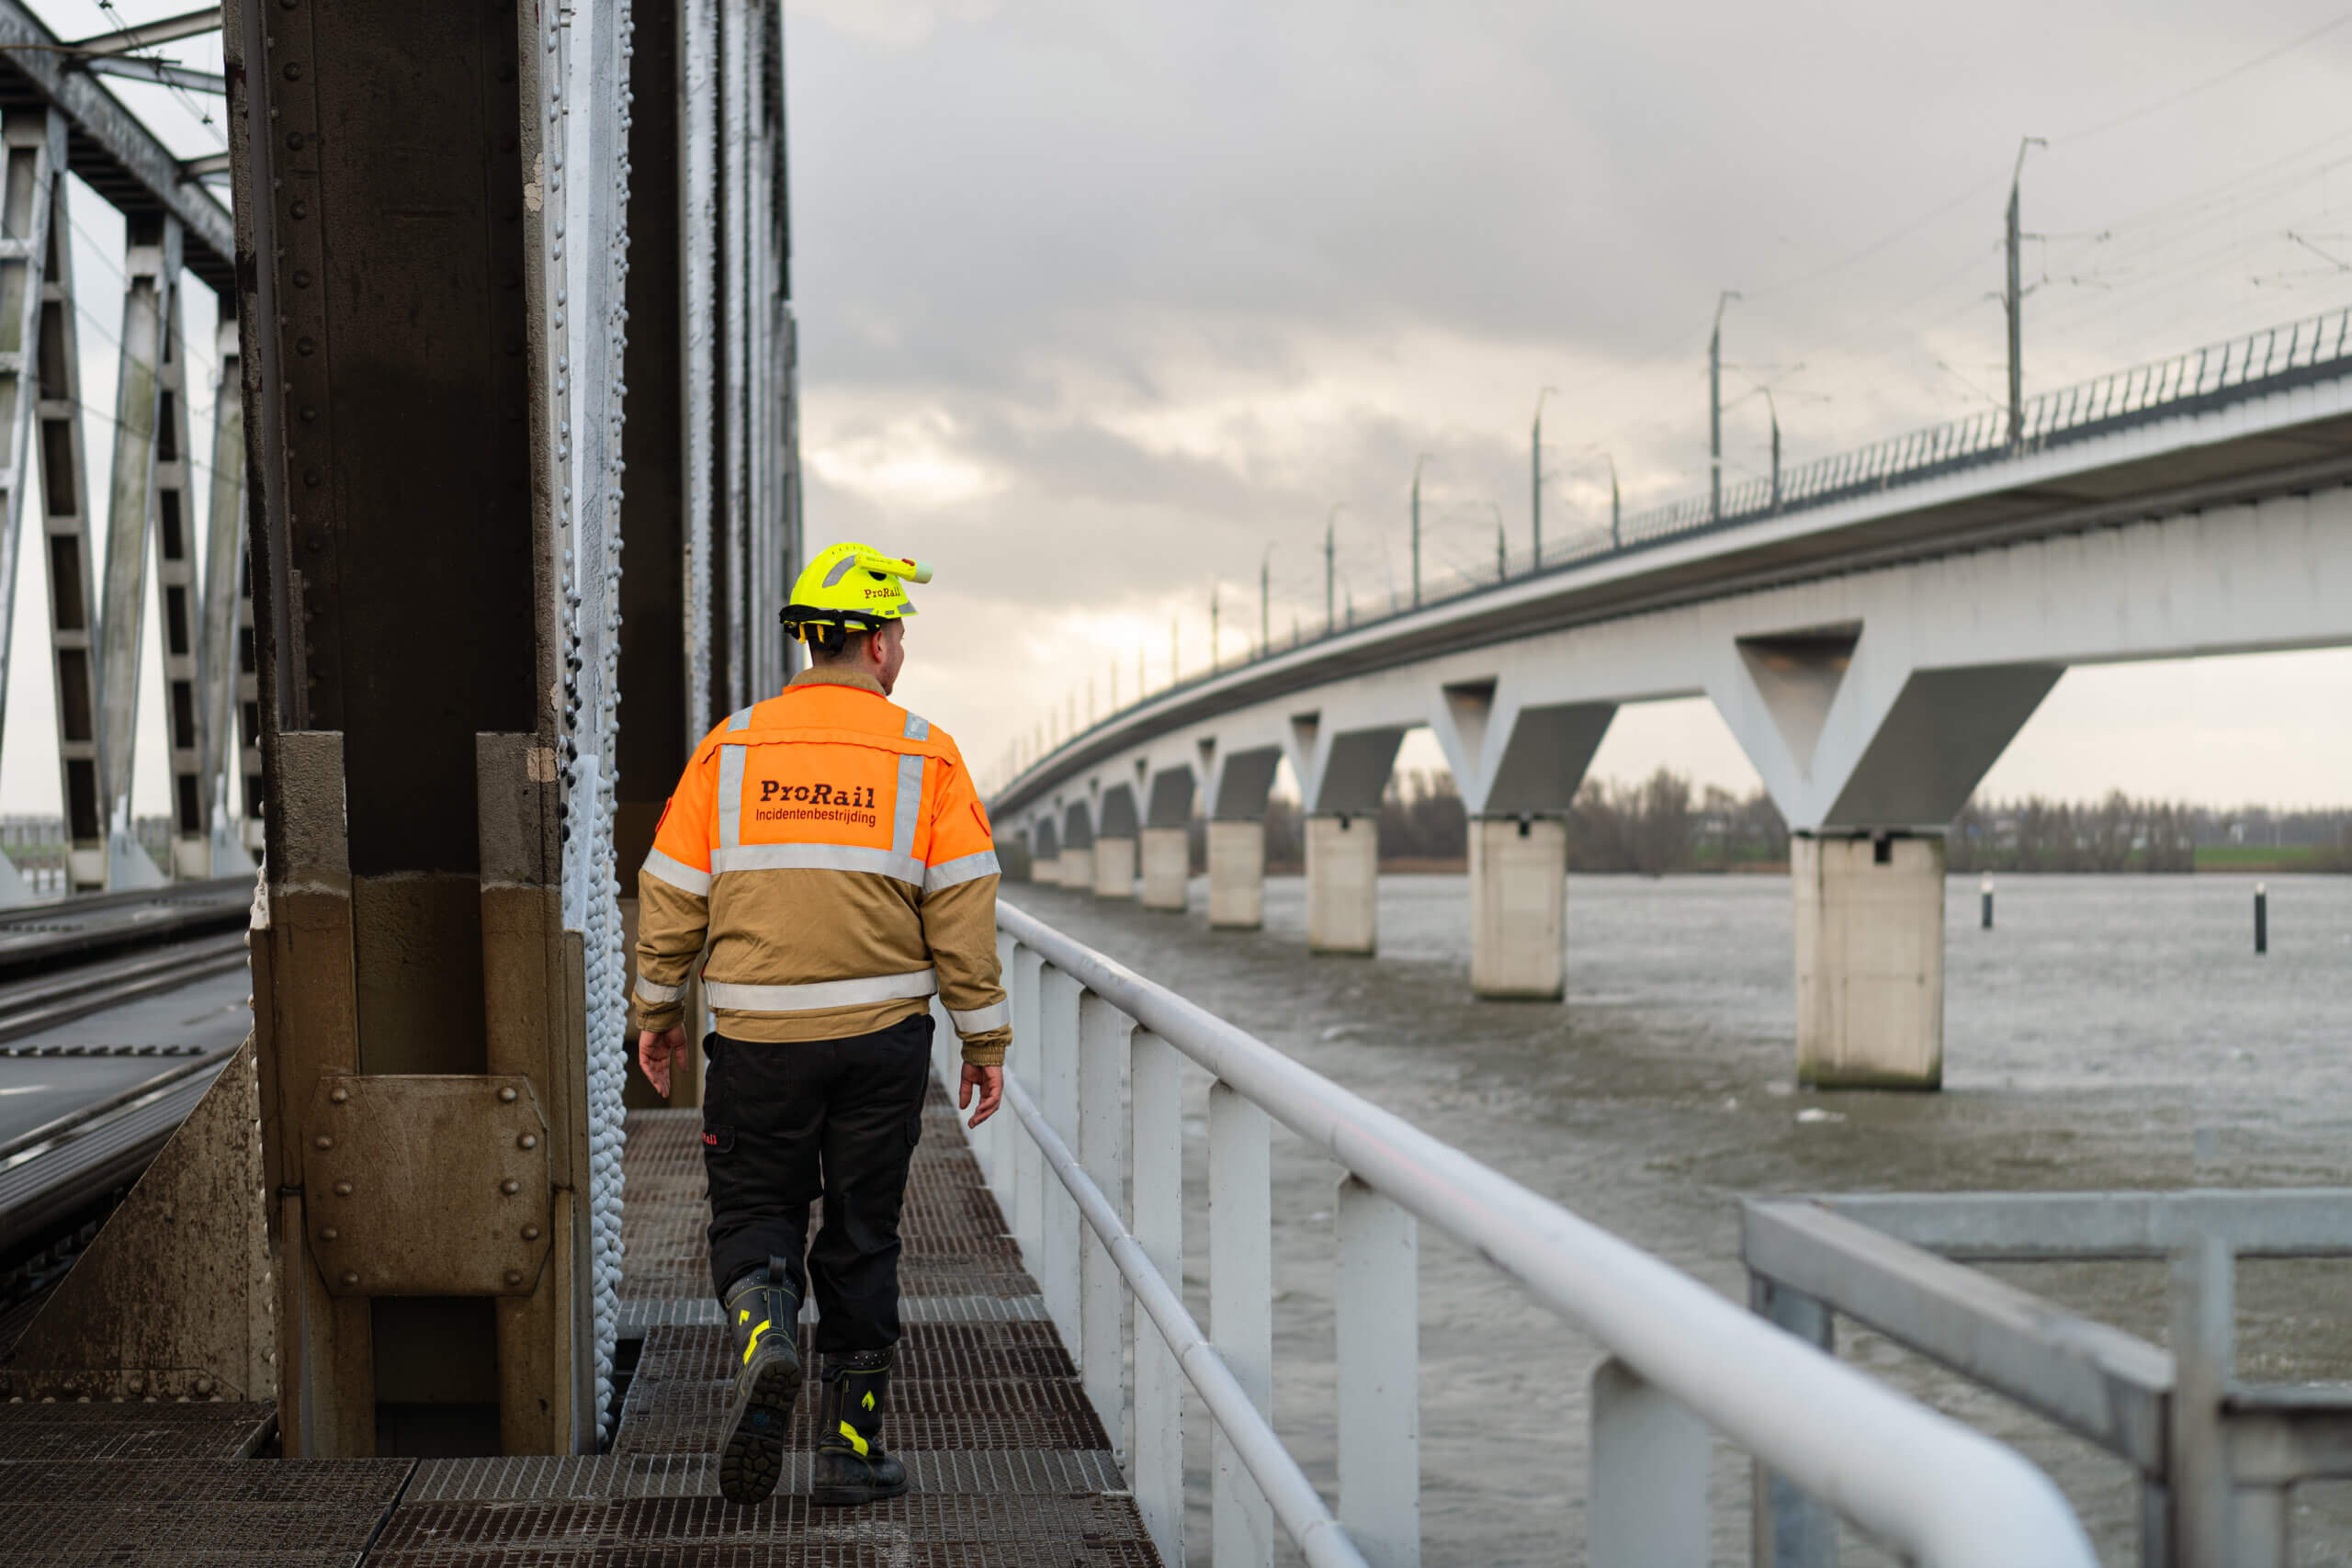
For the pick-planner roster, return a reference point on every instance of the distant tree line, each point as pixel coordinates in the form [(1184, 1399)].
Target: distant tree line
[(2123, 834), (1653, 826), (1661, 825)]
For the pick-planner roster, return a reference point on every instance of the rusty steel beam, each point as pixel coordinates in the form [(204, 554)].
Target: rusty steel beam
[(409, 429), (31, 141), (67, 555)]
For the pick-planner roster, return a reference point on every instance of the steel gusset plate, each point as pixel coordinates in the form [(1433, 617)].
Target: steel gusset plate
[(428, 1185)]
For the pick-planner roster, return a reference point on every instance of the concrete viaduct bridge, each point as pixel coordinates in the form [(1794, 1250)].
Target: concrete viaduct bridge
[(1874, 630)]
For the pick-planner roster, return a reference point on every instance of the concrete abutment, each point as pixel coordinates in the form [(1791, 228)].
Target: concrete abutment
[(1870, 960)]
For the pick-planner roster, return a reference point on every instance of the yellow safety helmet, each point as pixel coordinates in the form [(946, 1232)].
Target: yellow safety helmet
[(853, 586)]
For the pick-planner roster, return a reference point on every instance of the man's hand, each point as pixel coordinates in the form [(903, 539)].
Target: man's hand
[(654, 1053), (990, 1081)]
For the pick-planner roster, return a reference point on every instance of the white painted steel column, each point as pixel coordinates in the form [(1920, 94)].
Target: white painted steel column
[(2204, 1311), (1241, 1314), (1343, 883), (1787, 1527), (1056, 1267), (151, 268), (1236, 875), (699, 196), (1647, 1504), (224, 585), (248, 696), (1378, 1302), (1029, 1178), (1167, 867), (1102, 1305), (1157, 1474), (987, 1147), (35, 145), (189, 848), (736, 108)]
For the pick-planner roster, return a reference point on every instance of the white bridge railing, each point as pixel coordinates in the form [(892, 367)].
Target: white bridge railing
[(1098, 1110)]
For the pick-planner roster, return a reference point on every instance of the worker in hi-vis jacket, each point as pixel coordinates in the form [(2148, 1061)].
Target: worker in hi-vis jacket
[(827, 850)]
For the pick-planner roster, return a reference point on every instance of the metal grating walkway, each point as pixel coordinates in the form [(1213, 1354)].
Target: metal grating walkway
[(1010, 1465)]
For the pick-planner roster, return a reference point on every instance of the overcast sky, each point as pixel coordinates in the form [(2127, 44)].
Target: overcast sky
[(1099, 301)]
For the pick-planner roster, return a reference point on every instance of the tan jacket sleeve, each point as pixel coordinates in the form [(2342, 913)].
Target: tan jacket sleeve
[(960, 917), (674, 900)]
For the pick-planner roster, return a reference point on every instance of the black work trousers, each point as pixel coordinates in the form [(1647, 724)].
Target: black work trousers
[(785, 1124)]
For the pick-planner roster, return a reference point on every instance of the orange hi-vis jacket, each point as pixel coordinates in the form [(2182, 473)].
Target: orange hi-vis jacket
[(828, 847)]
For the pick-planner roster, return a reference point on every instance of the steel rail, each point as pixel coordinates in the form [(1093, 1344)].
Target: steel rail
[(29, 1007), (65, 1126), (1291, 1495), (43, 1186), (1944, 1494)]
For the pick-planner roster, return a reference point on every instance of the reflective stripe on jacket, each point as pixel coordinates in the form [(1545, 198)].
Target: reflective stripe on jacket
[(828, 848)]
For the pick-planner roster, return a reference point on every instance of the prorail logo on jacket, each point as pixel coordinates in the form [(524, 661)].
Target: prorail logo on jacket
[(816, 795)]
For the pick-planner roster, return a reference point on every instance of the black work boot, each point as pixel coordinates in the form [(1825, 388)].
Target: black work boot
[(852, 1468), (763, 1318)]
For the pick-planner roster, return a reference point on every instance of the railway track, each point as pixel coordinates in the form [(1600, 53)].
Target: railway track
[(77, 959)]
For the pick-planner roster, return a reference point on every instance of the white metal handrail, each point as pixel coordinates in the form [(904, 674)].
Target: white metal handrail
[(1294, 1500), (1681, 1354)]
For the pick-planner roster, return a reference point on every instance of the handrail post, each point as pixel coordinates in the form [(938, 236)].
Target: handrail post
[(1028, 1215), (2203, 1315), (1378, 1302), (987, 1147), (1102, 1305), (1789, 1530), (1157, 1471), (1647, 1504), (1242, 1315), (1057, 999)]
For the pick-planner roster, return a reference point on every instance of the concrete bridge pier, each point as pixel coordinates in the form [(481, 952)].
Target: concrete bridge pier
[(1078, 846), (1343, 883), (1871, 747), (1114, 851), (1239, 784), (1342, 776), (1518, 762), (1167, 839), (1519, 904), (1115, 868), (1045, 852), (1870, 953), (1167, 868), (1236, 875)]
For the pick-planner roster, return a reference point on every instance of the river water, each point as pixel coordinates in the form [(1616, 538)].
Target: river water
[(2111, 1033)]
